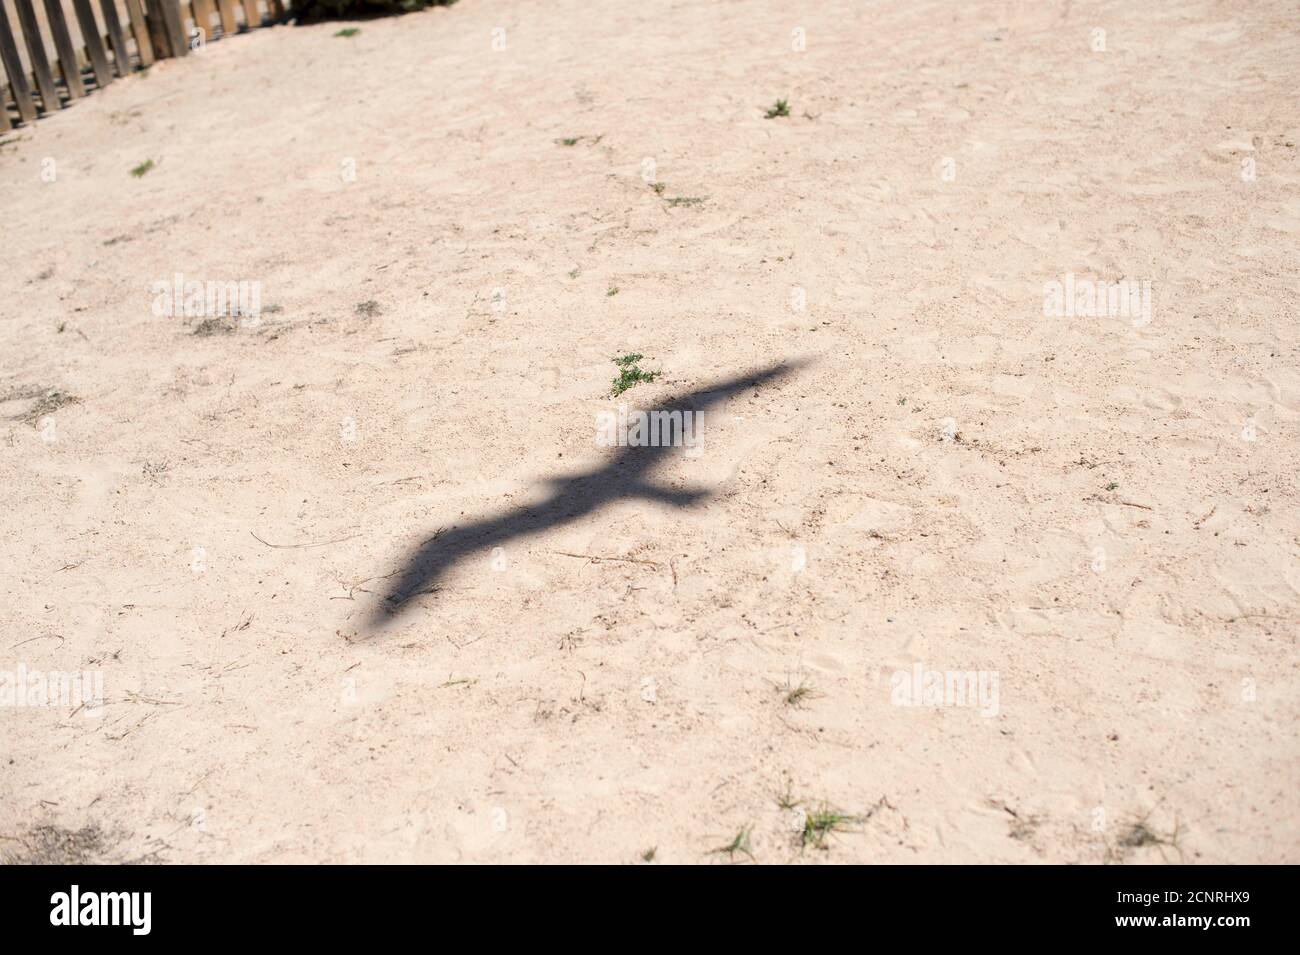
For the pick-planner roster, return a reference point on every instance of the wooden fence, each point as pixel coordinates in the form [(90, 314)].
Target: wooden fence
[(45, 75)]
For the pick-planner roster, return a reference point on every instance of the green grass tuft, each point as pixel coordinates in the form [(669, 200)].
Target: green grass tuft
[(797, 694), (630, 373), (820, 823), (779, 108), (740, 844)]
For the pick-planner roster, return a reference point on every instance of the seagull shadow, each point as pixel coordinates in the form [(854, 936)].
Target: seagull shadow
[(625, 477)]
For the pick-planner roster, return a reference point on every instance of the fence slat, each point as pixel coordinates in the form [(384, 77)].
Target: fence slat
[(162, 45), (171, 12), (67, 52), (251, 17), (5, 125), (36, 50), (116, 37), (140, 30), (14, 67), (227, 8), (275, 8), (202, 10), (94, 45)]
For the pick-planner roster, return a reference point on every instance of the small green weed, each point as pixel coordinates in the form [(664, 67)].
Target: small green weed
[(631, 373)]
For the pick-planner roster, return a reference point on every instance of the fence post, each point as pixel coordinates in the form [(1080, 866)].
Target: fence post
[(94, 44), (140, 30), (171, 13), (116, 37), (227, 10), (203, 16), (67, 52), (14, 67), (36, 50)]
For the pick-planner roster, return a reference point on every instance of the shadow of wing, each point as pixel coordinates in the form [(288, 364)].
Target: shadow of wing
[(570, 497)]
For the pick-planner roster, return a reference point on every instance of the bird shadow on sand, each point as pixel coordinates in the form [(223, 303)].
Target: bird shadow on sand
[(626, 476)]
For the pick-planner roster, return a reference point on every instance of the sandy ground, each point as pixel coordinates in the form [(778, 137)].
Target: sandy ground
[(1101, 513)]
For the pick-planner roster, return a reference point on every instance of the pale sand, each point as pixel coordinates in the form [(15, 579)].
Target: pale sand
[(254, 715)]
